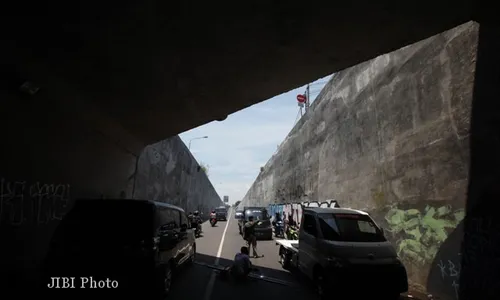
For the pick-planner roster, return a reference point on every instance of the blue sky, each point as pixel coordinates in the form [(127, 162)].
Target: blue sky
[(237, 147)]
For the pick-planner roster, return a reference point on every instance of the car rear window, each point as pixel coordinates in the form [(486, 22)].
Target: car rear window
[(258, 214), (220, 210), (349, 228)]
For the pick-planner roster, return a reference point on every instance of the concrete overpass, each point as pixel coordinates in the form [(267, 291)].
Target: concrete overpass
[(113, 77)]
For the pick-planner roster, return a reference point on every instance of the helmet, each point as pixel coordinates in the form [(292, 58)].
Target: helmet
[(213, 210), (196, 213)]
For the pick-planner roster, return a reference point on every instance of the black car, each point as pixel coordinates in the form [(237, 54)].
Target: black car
[(221, 213), (134, 243), (240, 218), (265, 229)]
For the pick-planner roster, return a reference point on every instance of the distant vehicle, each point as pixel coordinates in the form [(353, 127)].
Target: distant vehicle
[(221, 213), (240, 218), (341, 249), (139, 243), (265, 229)]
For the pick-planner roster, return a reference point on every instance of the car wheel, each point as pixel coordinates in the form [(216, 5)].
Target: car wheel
[(166, 281), (192, 258), (285, 260), (319, 281)]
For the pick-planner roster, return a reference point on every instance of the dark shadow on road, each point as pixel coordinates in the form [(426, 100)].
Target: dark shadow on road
[(293, 278)]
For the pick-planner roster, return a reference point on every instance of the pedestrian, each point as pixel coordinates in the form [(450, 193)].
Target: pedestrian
[(249, 235), (242, 265)]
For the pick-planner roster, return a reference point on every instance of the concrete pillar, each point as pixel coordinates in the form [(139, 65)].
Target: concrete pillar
[(480, 270)]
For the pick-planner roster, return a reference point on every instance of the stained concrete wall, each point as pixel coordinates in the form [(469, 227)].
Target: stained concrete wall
[(54, 149), (168, 172), (390, 136)]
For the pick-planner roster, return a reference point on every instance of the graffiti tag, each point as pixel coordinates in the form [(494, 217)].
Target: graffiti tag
[(294, 210), (450, 270), (37, 203)]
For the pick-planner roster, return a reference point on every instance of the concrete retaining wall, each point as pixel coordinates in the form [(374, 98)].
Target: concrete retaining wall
[(390, 136), (168, 172)]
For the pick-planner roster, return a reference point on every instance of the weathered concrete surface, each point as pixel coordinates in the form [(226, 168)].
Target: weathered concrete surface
[(389, 136), (57, 148), (168, 172), (124, 59)]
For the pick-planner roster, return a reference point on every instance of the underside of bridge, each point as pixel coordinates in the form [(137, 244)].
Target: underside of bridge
[(87, 84), (160, 68)]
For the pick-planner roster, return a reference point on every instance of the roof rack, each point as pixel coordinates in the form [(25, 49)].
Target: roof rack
[(335, 203)]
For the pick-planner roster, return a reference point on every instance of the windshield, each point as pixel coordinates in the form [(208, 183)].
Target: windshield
[(349, 228), (257, 214)]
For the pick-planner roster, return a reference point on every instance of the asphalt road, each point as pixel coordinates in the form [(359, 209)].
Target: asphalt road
[(218, 245)]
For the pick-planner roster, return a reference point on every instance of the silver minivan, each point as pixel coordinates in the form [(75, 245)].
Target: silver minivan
[(344, 249)]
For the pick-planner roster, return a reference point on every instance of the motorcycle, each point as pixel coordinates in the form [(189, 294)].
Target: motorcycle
[(196, 224), (278, 229), (292, 233), (213, 221), (197, 231)]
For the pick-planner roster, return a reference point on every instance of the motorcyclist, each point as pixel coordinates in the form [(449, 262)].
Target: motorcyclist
[(213, 214), (197, 217), (277, 218), (195, 220), (277, 227)]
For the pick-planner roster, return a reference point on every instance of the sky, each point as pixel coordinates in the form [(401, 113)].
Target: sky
[(237, 147)]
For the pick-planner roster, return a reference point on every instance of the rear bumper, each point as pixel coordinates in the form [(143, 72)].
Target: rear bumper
[(264, 233), (221, 217)]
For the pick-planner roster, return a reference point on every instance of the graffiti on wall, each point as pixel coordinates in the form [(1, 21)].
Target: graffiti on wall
[(420, 233), (294, 210), (444, 273), (38, 203), (450, 273)]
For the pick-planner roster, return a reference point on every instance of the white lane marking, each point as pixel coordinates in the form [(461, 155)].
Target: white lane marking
[(211, 281)]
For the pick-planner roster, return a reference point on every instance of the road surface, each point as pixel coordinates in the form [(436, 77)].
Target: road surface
[(218, 245)]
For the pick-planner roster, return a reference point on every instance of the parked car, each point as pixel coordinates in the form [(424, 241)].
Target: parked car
[(343, 251), (137, 243), (240, 218), (265, 229)]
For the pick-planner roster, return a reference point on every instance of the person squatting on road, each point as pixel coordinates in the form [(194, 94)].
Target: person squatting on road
[(249, 235), (242, 265)]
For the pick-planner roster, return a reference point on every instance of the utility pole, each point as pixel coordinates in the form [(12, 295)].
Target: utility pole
[(307, 98)]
